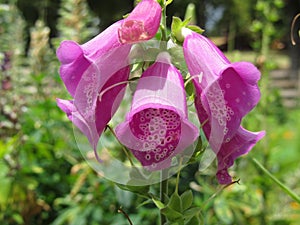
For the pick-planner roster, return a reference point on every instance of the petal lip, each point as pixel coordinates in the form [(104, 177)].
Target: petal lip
[(68, 51), (88, 129), (76, 59), (241, 144)]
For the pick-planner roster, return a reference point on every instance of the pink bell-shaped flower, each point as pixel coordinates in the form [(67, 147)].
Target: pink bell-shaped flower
[(96, 72), (87, 70), (157, 127), (142, 23), (225, 93)]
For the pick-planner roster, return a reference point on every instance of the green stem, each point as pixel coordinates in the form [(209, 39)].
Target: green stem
[(163, 193), (123, 147), (218, 192), (286, 189), (163, 25), (178, 176)]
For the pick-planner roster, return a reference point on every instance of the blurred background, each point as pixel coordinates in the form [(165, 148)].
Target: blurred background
[(43, 177)]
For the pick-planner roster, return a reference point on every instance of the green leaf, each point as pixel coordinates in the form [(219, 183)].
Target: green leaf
[(189, 87), (140, 190), (158, 203), (136, 67), (148, 201), (178, 24), (67, 215), (178, 60), (185, 22), (175, 202), (186, 200), (191, 212), (169, 2), (171, 214), (176, 27), (199, 150), (126, 15), (138, 177), (18, 218), (196, 29), (193, 221), (6, 184)]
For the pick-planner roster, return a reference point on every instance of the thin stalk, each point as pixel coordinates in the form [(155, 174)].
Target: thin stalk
[(218, 192), (199, 77), (123, 147), (120, 210), (163, 25), (178, 176), (163, 193), (286, 189)]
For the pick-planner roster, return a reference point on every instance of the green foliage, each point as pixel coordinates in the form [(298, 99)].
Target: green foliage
[(177, 26), (179, 210), (76, 21), (263, 26)]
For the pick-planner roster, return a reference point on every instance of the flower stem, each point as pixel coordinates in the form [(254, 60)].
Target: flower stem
[(120, 210), (123, 147), (163, 193), (218, 192), (286, 189), (164, 173), (178, 176), (163, 25)]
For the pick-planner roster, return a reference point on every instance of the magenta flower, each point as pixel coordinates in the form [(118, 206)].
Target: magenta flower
[(157, 128), (225, 93), (142, 23), (96, 72)]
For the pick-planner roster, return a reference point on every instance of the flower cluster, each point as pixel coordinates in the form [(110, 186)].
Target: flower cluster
[(157, 127)]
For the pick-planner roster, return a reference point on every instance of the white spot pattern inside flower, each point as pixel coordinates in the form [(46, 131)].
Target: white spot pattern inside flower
[(218, 106), (159, 130), (89, 91)]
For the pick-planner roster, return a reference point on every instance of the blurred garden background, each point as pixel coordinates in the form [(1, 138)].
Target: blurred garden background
[(45, 180)]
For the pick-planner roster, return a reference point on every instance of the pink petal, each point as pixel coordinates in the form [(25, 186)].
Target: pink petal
[(240, 144), (89, 130), (75, 59), (156, 128), (159, 85), (202, 56), (240, 95), (142, 23)]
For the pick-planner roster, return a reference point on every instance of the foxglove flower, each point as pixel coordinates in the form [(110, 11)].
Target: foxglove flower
[(95, 73), (157, 128), (225, 93), (142, 23)]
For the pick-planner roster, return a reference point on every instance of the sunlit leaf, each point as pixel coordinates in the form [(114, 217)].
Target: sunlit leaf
[(186, 199)]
